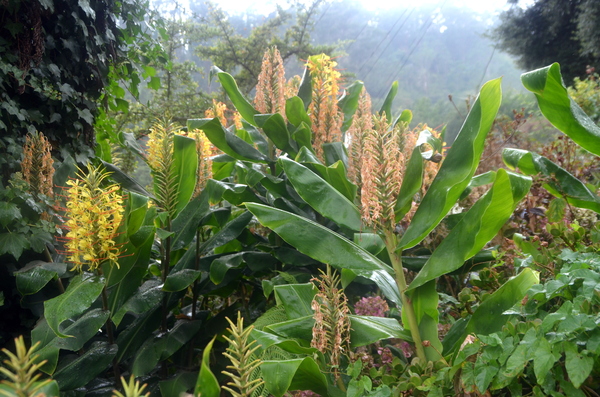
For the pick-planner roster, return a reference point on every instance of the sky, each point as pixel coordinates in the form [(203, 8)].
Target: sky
[(266, 6)]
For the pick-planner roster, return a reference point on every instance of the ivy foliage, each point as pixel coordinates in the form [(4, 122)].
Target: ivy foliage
[(60, 61)]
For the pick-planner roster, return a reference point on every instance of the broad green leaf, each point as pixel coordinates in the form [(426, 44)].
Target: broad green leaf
[(489, 316), (163, 347), (326, 246), (13, 244), (137, 207), (9, 212), (543, 359), (559, 182), (579, 365), (405, 117), (297, 374), (178, 385), (36, 275), (266, 340), (367, 329), (147, 297), (180, 280), (561, 110), (348, 103), (241, 104), (257, 137), (295, 112), (207, 384), (387, 102), (275, 128), (425, 300), (484, 373), (477, 227), (220, 266), (185, 166), (83, 290), (125, 181), (131, 338), (234, 193), (81, 331), (50, 390), (225, 140), (413, 179), (321, 196), (305, 89), (303, 136), (336, 177), (187, 222), (296, 299), (372, 242), (458, 167), (83, 369), (334, 152), (229, 232)]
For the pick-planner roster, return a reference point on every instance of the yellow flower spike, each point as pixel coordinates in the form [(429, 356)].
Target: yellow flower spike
[(324, 113), (94, 215)]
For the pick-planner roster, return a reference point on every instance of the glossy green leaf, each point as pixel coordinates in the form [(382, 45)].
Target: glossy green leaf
[(559, 182), (50, 390), (36, 275), (561, 110), (207, 384), (9, 212), (83, 369), (228, 142), (405, 117), (296, 374), (137, 207), (477, 227), (257, 137), (275, 128), (131, 338), (185, 166), (425, 300), (233, 92), (321, 196), (489, 316), (372, 242), (83, 290), (336, 177), (178, 281), (303, 136), (578, 365), (234, 193), (458, 167), (163, 347), (178, 384), (267, 339), (324, 245), (229, 232), (411, 184), (13, 244), (147, 297), (305, 89), (187, 222), (296, 299), (295, 111), (348, 103), (387, 102), (220, 266), (367, 329), (125, 181), (334, 152), (81, 331)]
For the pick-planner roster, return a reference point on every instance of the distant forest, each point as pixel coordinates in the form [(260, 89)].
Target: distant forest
[(432, 52)]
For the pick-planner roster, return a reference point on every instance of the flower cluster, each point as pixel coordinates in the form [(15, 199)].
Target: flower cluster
[(217, 110), (37, 163), (371, 306), (94, 214), (324, 112), (205, 150), (270, 90)]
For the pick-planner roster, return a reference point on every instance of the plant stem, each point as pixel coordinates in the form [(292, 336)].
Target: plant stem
[(165, 310), (109, 333), (407, 307)]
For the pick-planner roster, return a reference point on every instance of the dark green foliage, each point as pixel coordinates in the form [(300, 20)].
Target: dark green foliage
[(563, 31), (57, 59)]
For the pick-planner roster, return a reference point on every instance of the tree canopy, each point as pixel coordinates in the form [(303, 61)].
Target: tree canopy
[(564, 31)]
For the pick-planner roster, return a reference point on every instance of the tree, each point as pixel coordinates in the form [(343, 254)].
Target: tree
[(564, 31), (58, 62), (228, 49)]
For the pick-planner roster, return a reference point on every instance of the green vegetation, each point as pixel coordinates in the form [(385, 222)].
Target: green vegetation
[(311, 240)]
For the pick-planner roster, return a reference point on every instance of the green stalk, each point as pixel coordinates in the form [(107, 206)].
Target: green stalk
[(407, 307)]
